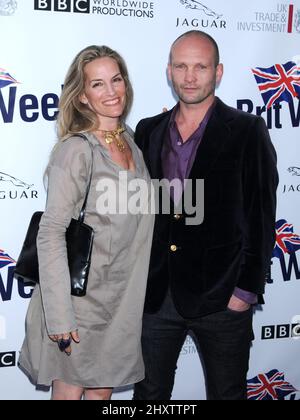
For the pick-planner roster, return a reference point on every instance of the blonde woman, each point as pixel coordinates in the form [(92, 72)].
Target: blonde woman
[(86, 346)]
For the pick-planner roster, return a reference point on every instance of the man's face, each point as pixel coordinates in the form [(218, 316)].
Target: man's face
[(193, 70)]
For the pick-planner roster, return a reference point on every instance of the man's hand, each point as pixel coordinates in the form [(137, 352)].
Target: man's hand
[(64, 341), (238, 305)]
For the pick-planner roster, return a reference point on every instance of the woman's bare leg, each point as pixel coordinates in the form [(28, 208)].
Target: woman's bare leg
[(63, 391), (98, 393)]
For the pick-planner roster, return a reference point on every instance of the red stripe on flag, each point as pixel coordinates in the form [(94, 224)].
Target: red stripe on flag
[(291, 15)]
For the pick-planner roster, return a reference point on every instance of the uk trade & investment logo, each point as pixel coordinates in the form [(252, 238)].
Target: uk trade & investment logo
[(8, 282), (12, 188), (285, 19), (123, 8), (271, 386), (7, 7), (210, 18)]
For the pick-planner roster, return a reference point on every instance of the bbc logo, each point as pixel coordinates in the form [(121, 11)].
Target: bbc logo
[(76, 6), (8, 359), (272, 332)]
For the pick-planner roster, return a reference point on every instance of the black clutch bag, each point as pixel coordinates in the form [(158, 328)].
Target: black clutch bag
[(79, 240)]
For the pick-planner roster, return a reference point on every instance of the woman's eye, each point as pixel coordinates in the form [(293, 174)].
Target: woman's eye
[(97, 84)]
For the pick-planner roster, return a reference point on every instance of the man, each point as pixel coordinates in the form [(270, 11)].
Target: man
[(205, 278)]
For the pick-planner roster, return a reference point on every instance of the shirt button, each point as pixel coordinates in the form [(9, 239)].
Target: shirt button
[(179, 143), (173, 248)]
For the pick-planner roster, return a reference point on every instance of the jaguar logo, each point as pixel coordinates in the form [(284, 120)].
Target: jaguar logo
[(294, 170), (196, 5), (15, 181), (7, 7)]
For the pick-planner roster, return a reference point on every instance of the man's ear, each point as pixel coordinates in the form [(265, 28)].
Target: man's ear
[(219, 73), (169, 72)]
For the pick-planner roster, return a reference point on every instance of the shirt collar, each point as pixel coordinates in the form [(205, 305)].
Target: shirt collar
[(172, 122)]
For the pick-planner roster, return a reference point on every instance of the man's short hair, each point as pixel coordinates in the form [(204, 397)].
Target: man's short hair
[(202, 35)]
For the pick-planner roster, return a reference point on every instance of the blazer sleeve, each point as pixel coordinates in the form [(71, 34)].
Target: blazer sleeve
[(67, 181), (260, 180)]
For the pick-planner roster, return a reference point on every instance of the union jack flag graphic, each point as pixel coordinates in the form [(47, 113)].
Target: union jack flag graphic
[(5, 259), (287, 241), (269, 386), (278, 83), (6, 79)]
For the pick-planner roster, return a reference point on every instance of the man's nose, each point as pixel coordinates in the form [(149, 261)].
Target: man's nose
[(190, 75)]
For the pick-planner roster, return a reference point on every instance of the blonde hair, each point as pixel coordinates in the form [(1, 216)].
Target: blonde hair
[(74, 116)]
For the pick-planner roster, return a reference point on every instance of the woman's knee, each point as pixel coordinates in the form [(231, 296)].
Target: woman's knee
[(98, 393), (63, 391)]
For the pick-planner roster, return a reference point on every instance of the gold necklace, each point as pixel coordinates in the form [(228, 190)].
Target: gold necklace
[(114, 136)]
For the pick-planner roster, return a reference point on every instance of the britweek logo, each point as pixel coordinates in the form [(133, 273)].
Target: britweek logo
[(12, 188), (270, 386), (209, 19), (7, 281), (7, 7), (285, 18), (278, 83), (286, 251), (29, 106), (124, 8)]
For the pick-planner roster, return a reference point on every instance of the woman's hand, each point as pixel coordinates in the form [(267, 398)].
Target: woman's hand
[(64, 341)]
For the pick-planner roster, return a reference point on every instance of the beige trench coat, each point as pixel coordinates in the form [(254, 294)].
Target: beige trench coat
[(109, 317)]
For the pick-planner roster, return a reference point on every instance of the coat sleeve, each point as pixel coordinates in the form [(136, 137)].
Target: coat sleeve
[(67, 180), (260, 180)]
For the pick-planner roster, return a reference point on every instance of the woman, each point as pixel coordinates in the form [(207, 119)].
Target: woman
[(89, 345)]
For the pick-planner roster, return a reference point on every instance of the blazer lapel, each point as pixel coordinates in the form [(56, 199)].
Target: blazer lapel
[(156, 139), (213, 142)]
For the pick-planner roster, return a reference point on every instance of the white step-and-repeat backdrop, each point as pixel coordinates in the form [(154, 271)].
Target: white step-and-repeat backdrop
[(260, 48)]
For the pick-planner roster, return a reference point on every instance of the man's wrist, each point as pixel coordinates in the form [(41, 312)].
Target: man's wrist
[(248, 297)]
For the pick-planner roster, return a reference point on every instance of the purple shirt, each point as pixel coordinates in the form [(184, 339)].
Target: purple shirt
[(177, 160), (178, 156)]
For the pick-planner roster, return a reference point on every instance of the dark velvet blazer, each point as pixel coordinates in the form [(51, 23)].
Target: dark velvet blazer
[(233, 245)]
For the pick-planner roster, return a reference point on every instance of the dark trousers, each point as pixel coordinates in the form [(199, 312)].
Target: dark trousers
[(223, 340)]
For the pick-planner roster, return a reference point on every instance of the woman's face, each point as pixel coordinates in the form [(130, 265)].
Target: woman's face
[(104, 89)]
